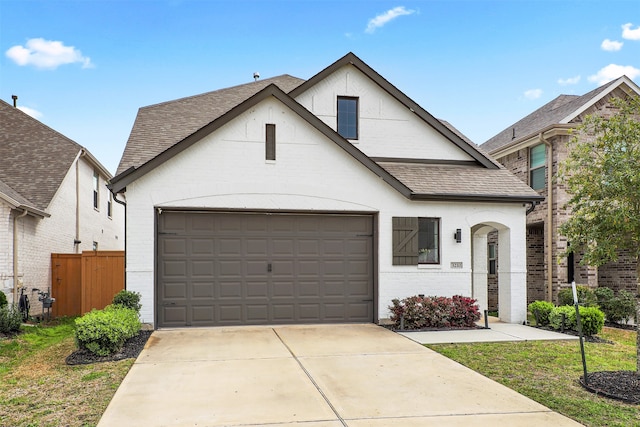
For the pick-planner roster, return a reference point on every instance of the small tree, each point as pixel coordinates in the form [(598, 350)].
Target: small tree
[(602, 177)]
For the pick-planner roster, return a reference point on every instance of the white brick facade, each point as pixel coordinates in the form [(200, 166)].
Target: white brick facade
[(227, 170)]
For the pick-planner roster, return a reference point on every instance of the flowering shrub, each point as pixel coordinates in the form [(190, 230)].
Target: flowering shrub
[(418, 312)]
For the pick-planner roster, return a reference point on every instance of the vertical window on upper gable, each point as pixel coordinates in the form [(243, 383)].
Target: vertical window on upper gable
[(96, 188), (270, 148), (537, 162), (348, 117), (109, 205)]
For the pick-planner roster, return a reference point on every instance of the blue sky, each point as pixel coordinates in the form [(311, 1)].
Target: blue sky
[(85, 67)]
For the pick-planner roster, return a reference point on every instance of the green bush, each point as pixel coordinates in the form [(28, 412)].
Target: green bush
[(555, 317), (541, 311), (10, 319), (3, 299), (586, 296), (617, 308), (128, 299), (103, 332), (592, 320), (603, 294)]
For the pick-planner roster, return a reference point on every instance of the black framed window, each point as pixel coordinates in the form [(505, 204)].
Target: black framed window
[(428, 241), (348, 117), (96, 189), (271, 142)]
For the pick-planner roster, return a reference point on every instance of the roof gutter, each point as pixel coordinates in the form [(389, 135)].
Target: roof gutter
[(477, 198), (15, 254), (532, 139)]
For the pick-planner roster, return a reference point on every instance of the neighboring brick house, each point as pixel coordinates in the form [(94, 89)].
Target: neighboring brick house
[(53, 199), (317, 201), (529, 148)]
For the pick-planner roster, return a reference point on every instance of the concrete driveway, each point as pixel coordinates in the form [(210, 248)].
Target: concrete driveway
[(309, 376)]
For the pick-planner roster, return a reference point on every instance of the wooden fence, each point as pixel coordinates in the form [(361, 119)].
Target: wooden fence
[(82, 282)]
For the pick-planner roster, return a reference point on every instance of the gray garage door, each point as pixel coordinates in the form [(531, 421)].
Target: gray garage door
[(234, 269)]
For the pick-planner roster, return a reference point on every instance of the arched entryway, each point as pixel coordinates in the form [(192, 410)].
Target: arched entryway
[(511, 269)]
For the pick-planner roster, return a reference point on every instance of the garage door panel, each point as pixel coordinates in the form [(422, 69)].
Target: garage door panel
[(174, 290), (283, 289), (229, 247), (257, 313), (174, 315), (257, 289), (231, 269), (228, 290), (202, 247), (283, 313), (202, 315), (201, 268), (309, 289), (230, 314), (202, 290), (309, 312), (174, 268)]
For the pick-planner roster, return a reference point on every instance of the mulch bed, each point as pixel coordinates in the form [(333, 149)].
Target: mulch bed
[(131, 349), (620, 385)]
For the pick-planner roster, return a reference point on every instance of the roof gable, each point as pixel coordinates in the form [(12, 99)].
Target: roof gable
[(160, 126), (560, 111), (445, 130), (120, 182)]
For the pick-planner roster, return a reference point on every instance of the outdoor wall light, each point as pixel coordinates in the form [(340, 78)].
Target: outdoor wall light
[(458, 235)]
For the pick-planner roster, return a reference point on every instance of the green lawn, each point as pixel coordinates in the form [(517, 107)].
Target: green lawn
[(548, 372), (38, 389)]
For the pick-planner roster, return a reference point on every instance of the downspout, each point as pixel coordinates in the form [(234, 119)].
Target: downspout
[(15, 254), (76, 240), (115, 198), (549, 236)]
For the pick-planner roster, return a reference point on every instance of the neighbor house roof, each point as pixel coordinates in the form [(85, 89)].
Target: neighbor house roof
[(160, 126), (34, 159), (560, 111)]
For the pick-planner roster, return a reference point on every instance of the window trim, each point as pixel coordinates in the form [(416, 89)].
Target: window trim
[(110, 206), (438, 240), (96, 190), (542, 167), (357, 116), (493, 258), (270, 142), (405, 242)]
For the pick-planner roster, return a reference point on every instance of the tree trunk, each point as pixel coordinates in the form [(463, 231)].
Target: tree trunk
[(638, 315)]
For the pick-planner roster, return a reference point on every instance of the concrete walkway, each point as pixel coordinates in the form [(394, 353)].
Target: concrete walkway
[(309, 376), (497, 332)]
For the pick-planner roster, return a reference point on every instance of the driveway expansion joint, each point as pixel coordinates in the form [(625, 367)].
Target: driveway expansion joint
[(308, 374)]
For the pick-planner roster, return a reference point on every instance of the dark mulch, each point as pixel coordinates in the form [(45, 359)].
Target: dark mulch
[(620, 385), (131, 349)]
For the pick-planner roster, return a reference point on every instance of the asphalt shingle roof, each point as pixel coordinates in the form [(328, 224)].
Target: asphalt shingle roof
[(549, 114), (160, 126), (459, 180), (34, 159)]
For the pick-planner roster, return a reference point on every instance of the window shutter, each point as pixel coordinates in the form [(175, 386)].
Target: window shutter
[(405, 240)]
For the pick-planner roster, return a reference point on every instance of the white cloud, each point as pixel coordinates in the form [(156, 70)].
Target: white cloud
[(629, 34), (612, 72), (385, 17), (533, 93), (611, 45), (30, 111), (570, 81), (47, 54)]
